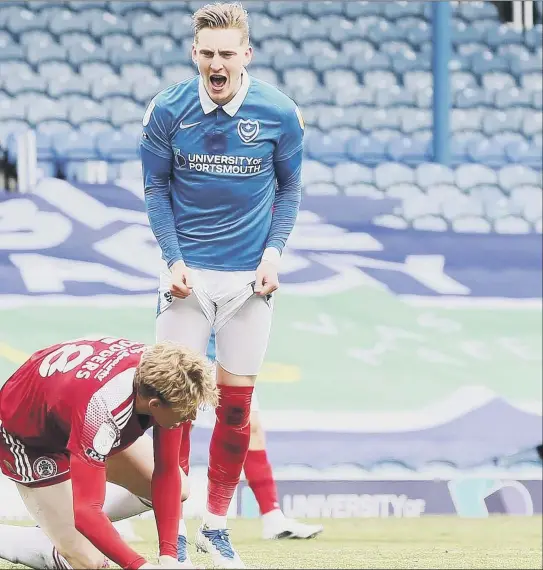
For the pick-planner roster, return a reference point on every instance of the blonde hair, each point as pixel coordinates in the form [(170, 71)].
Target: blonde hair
[(222, 16), (181, 378)]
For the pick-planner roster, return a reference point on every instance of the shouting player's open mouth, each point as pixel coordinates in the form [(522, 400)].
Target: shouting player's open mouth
[(217, 82)]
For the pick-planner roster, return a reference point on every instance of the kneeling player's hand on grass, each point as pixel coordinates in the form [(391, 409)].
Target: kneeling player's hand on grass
[(267, 279), (181, 286)]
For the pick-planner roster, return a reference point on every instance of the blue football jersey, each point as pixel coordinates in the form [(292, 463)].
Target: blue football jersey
[(223, 167)]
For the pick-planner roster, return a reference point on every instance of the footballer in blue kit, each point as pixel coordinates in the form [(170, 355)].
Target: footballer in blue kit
[(221, 156)]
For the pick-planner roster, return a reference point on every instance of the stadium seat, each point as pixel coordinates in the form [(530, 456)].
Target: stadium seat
[(430, 223), (145, 24), (533, 38), (365, 189), (357, 47), (385, 135), (442, 191), (323, 8), (406, 192), (415, 204), (281, 8), (467, 49), (413, 120), (326, 148), (22, 20), (274, 46), (524, 153), (512, 97), (394, 96), (537, 100), (531, 82), (87, 110), (45, 109), (127, 54), (532, 123), (463, 33), (171, 8), (417, 80), (126, 7), (337, 79), (81, 5), (511, 225), (16, 84), (349, 173), (11, 52), (471, 97), (391, 221), (151, 43), (119, 147), (143, 93), (476, 10), (162, 58), (408, 151), (492, 198), (514, 175), (466, 119), (95, 70), (53, 127), (389, 173), (34, 37), (431, 174), (12, 109), (335, 117), (411, 61), (528, 201), (180, 27), (306, 97), (109, 86), (495, 81), (87, 53), (67, 84), (469, 175), (123, 110), (314, 172), (499, 121), (70, 39), (461, 207), (41, 53), (493, 151), (503, 35), (382, 118), (92, 128), (73, 146), (61, 22), (11, 126), (176, 73), (460, 80), (471, 224), (263, 27), (331, 61), (366, 62), (366, 150), (321, 189)]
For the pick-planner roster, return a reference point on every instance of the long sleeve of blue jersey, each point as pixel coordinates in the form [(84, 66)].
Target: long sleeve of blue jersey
[(288, 172), (156, 160)]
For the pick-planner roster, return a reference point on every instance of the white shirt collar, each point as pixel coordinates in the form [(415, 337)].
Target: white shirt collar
[(232, 107)]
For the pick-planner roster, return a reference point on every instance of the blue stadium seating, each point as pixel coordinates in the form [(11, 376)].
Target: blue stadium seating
[(359, 70)]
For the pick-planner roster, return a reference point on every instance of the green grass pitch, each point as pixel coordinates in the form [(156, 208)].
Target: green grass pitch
[(428, 542)]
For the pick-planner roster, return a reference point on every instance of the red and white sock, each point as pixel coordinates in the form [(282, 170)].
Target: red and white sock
[(227, 451), (258, 472)]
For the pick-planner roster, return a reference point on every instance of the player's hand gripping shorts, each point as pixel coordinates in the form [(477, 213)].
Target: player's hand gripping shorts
[(226, 302)]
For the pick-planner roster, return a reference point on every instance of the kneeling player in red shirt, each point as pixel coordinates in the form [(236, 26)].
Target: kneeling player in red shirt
[(71, 418)]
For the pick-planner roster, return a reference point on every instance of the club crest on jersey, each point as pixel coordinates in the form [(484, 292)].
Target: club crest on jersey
[(45, 467), (248, 130)]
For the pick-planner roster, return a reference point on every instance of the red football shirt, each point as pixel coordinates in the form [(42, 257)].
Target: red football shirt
[(79, 396)]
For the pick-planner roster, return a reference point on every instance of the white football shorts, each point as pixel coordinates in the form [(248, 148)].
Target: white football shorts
[(224, 301)]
